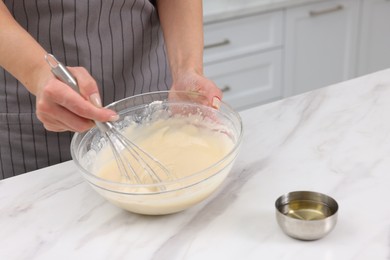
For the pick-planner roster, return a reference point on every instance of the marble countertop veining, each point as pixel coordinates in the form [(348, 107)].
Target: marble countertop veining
[(215, 10), (334, 140)]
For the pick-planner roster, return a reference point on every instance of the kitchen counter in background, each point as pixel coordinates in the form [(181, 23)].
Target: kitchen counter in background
[(260, 51), (335, 140), (215, 10)]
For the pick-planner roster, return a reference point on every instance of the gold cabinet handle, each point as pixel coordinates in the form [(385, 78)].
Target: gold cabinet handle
[(217, 44), (326, 11)]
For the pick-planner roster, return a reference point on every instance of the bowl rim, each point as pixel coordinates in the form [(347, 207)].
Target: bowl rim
[(163, 183), (322, 198)]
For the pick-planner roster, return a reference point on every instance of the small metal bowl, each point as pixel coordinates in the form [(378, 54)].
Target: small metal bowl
[(306, 215)]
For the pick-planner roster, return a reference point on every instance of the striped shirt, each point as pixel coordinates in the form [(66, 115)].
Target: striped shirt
[(119, 42)]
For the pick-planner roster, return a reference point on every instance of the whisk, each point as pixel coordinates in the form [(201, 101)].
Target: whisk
[(132, 160)]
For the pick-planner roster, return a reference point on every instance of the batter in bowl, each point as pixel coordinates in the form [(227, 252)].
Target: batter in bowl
[(198, 145), (183, 144)]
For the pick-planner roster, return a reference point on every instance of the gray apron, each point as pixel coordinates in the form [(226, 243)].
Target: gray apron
[(118, 41)]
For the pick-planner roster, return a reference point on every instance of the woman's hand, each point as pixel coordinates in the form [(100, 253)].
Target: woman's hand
[(182, 24), (60, 108), (194, 82)]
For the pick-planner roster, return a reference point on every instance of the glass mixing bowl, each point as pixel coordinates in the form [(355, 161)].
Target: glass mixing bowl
[(168, 196)]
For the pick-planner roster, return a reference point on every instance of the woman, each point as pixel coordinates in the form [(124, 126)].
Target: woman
[(115, 49)]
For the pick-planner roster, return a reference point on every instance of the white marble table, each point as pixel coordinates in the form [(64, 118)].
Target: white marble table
[(335, 140)]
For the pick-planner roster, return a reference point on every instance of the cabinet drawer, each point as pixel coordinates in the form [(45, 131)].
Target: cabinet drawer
[(242, 35), (249, 80)]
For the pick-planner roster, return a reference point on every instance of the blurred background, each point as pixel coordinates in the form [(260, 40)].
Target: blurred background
[(258, 51)]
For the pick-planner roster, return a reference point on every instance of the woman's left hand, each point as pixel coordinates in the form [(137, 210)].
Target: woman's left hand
[(192, 81)]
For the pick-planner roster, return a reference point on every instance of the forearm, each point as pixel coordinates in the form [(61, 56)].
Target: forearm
[(182, 24), (20, 54)]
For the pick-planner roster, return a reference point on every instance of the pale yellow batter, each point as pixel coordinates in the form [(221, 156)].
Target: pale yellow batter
[(184, 145), (187, 146)]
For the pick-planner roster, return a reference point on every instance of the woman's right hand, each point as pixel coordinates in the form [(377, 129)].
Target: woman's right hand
[(60, 108)]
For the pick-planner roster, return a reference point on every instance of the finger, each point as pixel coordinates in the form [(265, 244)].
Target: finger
[(73, 122), (52, 125), (66, 97), (64, 120), (59, 126), (87, 85), (204, 92), (212, 92)]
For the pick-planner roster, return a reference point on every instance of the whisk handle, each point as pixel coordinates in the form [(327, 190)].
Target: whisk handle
[(104, 127), (63, 74)]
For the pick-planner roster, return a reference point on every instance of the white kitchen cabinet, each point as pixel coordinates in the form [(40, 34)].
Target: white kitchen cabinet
[(374, 52), (249, 80), (243, 56), (240, 36), (320, 45)]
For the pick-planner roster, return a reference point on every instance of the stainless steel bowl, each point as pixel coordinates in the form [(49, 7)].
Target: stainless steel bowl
[(306, 215)]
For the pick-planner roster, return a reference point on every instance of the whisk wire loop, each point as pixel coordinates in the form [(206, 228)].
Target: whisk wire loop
[(131, 153)]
